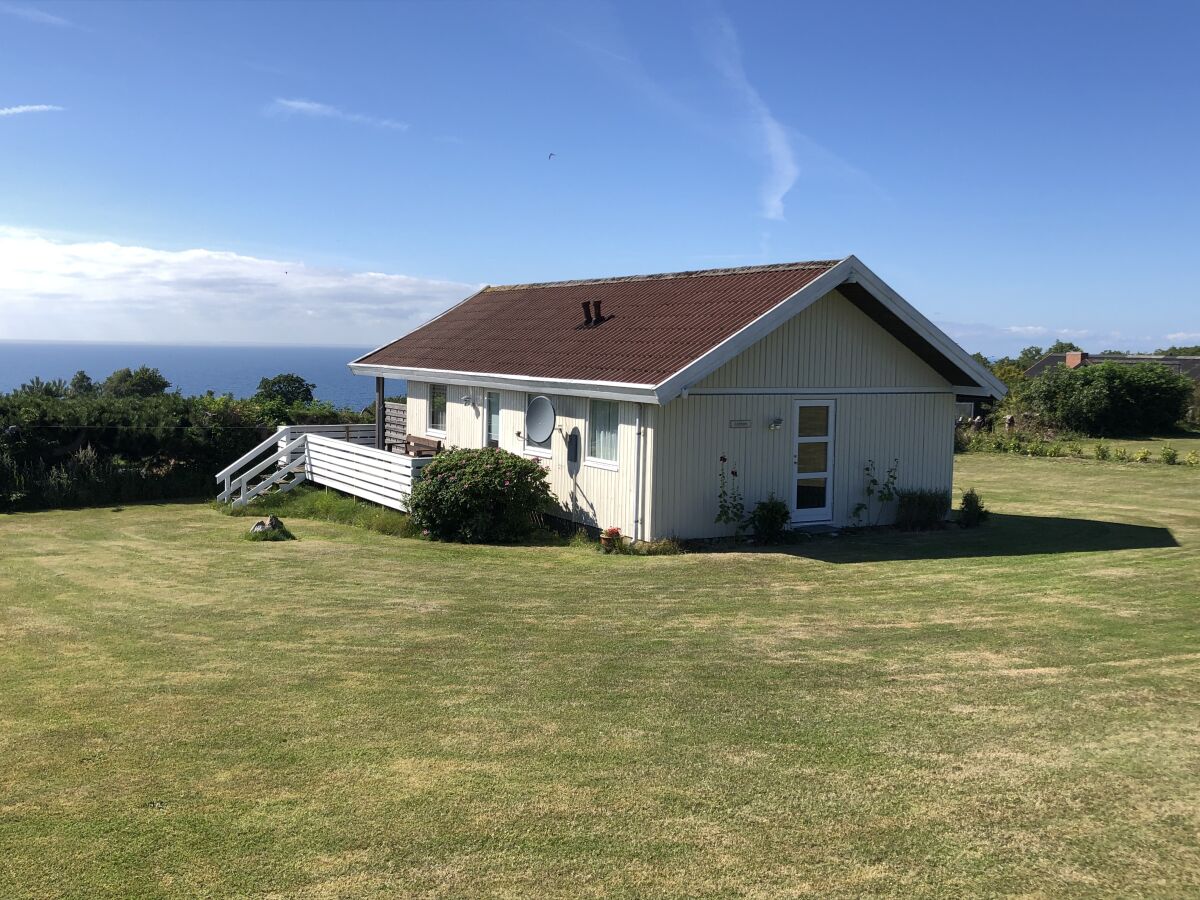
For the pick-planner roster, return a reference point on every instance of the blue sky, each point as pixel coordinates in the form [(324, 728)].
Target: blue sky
[(1020, 172)]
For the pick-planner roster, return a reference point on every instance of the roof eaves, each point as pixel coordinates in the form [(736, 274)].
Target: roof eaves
[(941, 341), (642, 393), (444, 312)]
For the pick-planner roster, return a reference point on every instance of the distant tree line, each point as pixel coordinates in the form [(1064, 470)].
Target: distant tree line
[(129, 437), (1098, 399)]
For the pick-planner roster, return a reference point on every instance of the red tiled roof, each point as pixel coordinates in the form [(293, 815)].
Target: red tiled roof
[(654, 324)]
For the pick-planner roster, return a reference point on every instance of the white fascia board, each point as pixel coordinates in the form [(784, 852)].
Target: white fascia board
[(605, 390), (821, 391), (744, 338), (926, 329)]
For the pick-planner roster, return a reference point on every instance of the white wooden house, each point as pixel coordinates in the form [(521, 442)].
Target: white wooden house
[(797, 373)]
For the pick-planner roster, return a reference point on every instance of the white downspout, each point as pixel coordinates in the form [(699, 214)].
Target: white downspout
[(637, 473)]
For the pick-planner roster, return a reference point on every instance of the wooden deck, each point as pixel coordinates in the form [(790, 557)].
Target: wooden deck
[(338, 456)]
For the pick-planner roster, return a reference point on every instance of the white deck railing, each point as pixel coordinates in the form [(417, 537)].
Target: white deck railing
[(302, 453)]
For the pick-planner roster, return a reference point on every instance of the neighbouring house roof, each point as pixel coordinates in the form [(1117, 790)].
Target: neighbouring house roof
[(1184, 365), (659, 334)]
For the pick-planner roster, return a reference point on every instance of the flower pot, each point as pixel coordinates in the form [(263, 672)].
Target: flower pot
[(606, 543)]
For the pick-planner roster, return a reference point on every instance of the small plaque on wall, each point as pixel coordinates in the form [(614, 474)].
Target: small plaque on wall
[(739, 423)]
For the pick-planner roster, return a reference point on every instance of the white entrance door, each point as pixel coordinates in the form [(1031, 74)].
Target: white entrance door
[(812, 495)]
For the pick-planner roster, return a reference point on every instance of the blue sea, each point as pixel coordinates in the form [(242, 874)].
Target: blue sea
[(194, 369)]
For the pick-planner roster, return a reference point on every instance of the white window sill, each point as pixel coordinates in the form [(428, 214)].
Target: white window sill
[(538, 452), (607, 464), (435, 433)]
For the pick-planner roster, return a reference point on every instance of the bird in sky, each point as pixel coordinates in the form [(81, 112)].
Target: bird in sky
[(551, 156)]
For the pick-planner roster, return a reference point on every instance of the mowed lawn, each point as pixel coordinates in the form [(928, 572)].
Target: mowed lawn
[(1012, 710)]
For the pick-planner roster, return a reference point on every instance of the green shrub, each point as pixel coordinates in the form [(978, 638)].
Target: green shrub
[(877, 493), (1169, 455), (1103, 451), (148, 445), (731, 510), (769, 520), (580, 538), (286, 388), (1120, 454), (1142, 455), (140, 382), (1193, 458), (479, 496), (972, 512), (921, 510), (663, 547), (1109, 398)]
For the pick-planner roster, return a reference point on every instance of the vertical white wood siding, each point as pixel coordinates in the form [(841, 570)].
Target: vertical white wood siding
[(588, 494), (899, 408), (692, 434), (830, 344)]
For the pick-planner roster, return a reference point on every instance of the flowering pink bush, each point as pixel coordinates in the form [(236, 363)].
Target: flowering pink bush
[(479, 496)]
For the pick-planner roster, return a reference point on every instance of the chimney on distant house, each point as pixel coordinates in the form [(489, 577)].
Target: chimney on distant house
[(1075, 359)]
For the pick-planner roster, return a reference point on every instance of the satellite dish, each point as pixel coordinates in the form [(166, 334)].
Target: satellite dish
[(539, 420)]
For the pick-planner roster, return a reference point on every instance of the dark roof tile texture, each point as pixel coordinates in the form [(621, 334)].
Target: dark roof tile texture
[(654, 325)]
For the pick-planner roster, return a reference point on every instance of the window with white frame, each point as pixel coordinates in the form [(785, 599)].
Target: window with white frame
[(491, 419), (437, 408), (602, 430), (537, 448)]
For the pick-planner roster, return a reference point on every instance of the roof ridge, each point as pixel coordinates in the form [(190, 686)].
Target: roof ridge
[(694, 273)]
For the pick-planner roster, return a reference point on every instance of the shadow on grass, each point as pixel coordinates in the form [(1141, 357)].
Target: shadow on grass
[(1001, 535)]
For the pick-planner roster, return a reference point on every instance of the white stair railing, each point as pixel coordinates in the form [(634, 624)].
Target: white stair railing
[(281, 445), (297, 455), (295, 468)]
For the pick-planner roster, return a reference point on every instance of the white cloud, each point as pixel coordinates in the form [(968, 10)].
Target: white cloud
[(1184, 336), (57, 290), (29, 14), (998, 340), (28, 108), (285, 107), (776, 148), (787, 154)]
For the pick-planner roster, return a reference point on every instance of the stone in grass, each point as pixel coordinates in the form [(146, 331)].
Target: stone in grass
[(270, 529)]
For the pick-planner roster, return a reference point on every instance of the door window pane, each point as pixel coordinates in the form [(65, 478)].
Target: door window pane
[(811, 457), (813, 421), (602, 430), (437, 407), (810, 493)]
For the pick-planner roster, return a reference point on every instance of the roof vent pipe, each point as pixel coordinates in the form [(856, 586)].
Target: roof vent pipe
[(596, 307), (587, 312)]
